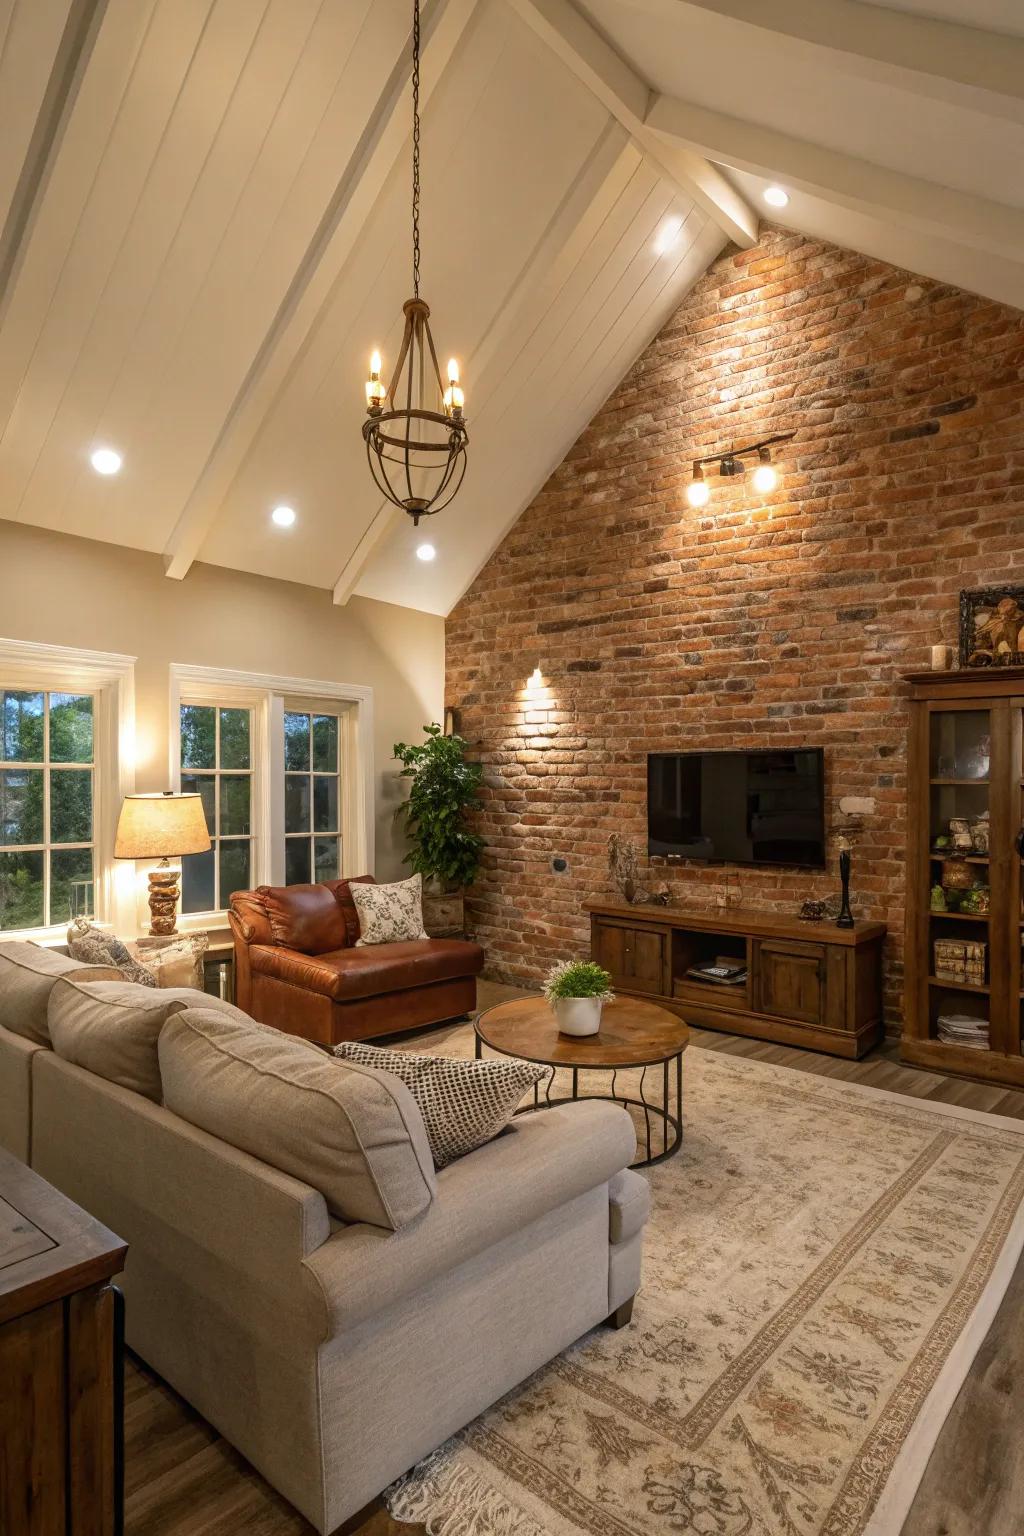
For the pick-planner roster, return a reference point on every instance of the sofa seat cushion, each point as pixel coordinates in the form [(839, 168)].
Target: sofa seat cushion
[(111, 1028), (350, 1132), (28, 974), (373, 969)]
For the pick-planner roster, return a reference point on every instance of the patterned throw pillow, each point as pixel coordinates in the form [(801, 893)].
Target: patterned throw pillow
[(389, 913), (463, 1103), (97, 948)]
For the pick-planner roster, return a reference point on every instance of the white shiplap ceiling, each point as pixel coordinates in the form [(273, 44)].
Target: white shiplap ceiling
[(204, 232)]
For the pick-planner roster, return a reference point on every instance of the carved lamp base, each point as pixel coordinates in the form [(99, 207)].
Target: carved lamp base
[(164, 890)]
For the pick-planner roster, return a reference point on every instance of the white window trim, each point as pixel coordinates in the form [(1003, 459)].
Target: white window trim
[(265, 693), (111, 677)]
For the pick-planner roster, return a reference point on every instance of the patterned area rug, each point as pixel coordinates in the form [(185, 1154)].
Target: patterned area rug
[(822, 1263)]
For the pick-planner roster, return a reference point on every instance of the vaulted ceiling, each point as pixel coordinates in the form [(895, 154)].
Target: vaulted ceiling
[(204, 231)]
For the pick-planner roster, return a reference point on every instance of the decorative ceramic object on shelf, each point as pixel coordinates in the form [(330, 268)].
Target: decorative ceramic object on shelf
[(960, 833), (957, 875), (624, 868), (980, 833), (577, 990), (812, 911), (937, 900)]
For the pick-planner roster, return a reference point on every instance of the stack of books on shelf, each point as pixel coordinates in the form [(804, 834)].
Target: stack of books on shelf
[(724, 972), (963, 1029)]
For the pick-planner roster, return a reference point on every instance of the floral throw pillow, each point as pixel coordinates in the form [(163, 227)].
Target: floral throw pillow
[(389, 913), (94, 947), (463, 1103)]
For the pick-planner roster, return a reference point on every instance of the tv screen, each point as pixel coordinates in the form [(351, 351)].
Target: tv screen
[(761, 807)]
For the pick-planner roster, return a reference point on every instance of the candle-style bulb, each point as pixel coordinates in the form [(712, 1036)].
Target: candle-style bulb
[(453, 371), (374, 384)]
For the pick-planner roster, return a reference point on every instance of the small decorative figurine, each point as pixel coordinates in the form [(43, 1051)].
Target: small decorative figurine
[(938, 899), (812, 911)]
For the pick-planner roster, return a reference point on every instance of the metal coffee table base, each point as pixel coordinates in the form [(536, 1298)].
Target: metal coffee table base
[(666, 1117)]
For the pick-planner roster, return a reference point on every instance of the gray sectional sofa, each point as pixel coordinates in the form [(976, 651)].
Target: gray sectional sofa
[(335, 1327)]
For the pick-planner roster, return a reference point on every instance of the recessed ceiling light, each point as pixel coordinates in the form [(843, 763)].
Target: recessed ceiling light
[(105, 461), (777, 197), (283, 516), (667, 237), (425, 551)]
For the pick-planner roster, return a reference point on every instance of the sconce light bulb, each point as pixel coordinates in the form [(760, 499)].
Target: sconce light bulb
[(453, 371), (698, 491), (536, 678), (765, 476)]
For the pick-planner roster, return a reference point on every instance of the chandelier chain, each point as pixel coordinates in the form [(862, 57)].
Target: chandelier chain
[(416, 148)]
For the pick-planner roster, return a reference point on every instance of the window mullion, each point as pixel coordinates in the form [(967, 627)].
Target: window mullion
[(47, 830)]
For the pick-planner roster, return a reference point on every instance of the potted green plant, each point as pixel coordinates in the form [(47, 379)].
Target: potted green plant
[(444, 790), (577, 991)]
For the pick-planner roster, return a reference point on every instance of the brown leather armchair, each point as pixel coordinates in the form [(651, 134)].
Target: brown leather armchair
[(297, 967)]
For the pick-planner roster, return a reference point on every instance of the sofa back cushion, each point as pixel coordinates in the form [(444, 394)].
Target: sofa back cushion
[(350, 1132), (111, 1028), (28, 974), (304, 917)]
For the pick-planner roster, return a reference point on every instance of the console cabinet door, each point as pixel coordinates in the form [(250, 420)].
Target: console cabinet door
[(635, 957), (792, 980)]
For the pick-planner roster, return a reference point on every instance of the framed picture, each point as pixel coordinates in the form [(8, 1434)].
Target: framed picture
[(992, 627)]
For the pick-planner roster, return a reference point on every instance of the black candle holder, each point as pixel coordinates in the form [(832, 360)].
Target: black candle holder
[(845, 918)]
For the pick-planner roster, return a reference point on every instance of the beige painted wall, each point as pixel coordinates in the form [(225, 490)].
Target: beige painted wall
[(60, 590)]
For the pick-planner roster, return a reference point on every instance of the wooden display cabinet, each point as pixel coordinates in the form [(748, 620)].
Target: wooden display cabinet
[(966, 762)]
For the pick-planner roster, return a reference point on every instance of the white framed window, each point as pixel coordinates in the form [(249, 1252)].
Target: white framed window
[(281, 839), (66, 732), (47, 818), (314, 741), (216, 763)]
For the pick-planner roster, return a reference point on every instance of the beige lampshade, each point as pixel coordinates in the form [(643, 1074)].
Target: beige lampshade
[(161, 827)]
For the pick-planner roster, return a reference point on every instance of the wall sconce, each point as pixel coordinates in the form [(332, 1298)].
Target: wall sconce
[(766, 476), (535, 681)]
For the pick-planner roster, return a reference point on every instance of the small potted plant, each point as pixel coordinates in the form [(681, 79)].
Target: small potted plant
[(577, 991)]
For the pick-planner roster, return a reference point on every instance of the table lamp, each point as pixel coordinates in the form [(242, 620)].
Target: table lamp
[(162, 826)]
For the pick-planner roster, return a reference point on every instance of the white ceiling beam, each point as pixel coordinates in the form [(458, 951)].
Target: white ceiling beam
[(945, 60), (614, 159), (619, 88), (79, 21), (907, 201), (382, 141)]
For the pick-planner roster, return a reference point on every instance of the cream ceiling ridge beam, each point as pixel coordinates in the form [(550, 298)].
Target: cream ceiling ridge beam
[(844, 180), (83, 21), (611, 163), (945, 60), (381, 143), (619, 88)]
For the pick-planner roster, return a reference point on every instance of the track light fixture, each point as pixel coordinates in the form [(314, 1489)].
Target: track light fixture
[(766, 476)]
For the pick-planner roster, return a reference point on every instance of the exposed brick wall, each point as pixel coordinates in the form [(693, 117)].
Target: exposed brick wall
[(756, 621)]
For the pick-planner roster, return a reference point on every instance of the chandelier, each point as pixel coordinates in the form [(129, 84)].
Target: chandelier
[(415, 432)]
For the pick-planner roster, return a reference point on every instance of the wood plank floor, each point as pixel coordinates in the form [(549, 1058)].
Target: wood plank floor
[(182, 1479)]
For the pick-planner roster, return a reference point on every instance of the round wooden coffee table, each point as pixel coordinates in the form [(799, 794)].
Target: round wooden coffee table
[(633, 1034)]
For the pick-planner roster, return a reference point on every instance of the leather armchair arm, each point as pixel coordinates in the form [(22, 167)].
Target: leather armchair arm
[(308, 972), (542, 1161)]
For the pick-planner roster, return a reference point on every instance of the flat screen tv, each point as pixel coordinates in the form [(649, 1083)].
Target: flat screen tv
[(760, 807)]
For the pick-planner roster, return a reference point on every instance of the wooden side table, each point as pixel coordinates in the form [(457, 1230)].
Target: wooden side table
[(61, 1383)]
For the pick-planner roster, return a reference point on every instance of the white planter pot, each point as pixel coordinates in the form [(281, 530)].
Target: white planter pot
[(578, 1015)]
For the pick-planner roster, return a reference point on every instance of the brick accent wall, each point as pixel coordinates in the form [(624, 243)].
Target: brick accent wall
[(757, 621)]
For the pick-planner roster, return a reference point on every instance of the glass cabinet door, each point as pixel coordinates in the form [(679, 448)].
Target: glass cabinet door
[(960, 897)]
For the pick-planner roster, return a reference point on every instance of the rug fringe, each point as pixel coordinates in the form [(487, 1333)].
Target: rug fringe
[(451, 1500)]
